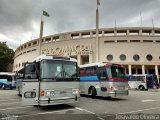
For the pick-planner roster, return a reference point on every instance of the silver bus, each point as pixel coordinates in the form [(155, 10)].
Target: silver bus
[(103, 79), (50, 80)]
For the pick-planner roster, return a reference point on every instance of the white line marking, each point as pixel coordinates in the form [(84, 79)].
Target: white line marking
[(85, 110), (46, 113), (148, 100), (15, 108), (141, 110), (100, 118), (9, 103), (89, 112), (8, 100)]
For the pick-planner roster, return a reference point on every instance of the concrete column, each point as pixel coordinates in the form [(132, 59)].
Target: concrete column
[(102, 33), (130, 69), (79, 59), (156, 71), (90, 58), (143, 69), (153, 33), (140, 32), (115, 32), (127, 32), (136, 70), (91, 34), (80, 35), (51, 39)]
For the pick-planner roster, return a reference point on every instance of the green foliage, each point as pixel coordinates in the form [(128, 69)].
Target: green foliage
[(6, 57)]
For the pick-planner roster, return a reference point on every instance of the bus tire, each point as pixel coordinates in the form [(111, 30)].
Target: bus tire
[(19, 93), (93, 92), (4, 87), (10, 87), (141, 87)]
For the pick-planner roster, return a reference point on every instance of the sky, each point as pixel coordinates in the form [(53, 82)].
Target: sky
[(20, 19)]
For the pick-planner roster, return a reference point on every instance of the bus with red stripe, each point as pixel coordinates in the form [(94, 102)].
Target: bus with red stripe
[(103, 79)]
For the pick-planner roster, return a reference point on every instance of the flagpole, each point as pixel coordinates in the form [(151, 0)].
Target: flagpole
[(152, 23), (141, 18), (41, 34), (97, 32)]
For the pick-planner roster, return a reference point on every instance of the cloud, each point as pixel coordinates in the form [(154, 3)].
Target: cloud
[(20, 19)]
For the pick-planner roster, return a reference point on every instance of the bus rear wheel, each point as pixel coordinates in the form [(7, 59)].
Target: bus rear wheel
[(93, 92), (141, 87), (19, 91)]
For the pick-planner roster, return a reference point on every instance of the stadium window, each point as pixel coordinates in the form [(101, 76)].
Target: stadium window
[(136, 57), (149, 57), (122, 57), (109, 57)]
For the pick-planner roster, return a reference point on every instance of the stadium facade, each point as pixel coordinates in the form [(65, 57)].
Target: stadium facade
[(136, 48)]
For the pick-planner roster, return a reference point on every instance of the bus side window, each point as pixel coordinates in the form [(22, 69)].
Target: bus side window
[(102, 75), (9, 78), (91, 71), (82, 72)]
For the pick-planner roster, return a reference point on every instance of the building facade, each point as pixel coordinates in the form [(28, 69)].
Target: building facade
[(136, 48)]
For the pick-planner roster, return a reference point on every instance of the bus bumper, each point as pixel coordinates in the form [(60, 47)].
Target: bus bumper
[(50, 101), (118, 93)]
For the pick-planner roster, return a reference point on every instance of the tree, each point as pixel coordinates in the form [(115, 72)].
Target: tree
[(6, 57)]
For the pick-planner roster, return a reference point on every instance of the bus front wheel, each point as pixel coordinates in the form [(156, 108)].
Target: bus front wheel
[(4, 87)]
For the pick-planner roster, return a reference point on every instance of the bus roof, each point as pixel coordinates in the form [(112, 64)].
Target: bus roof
[(53, 57), (7, 73), (99, 64)]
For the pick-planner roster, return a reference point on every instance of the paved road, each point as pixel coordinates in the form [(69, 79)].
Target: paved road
[(138, 102)]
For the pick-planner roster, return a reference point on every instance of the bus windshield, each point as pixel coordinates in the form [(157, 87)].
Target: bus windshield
[(115, 72), (58, 70)]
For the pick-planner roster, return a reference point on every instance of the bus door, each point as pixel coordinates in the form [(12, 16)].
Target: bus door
[(30, 85), (141, 81), (152, 81)]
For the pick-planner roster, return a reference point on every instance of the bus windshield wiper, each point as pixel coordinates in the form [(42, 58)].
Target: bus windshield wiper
[(67, 74), (55, 78), (73, 76)]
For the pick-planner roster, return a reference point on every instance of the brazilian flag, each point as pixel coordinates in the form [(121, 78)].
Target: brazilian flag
[(45, 13)]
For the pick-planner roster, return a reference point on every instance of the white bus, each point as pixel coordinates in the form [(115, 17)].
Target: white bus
[(50, 80), (103, 79), (142, 82), (7, 80)]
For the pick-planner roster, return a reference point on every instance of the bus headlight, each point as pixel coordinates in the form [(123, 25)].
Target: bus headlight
[(112, 88), (50, 93), (126, 88), (75, 91)]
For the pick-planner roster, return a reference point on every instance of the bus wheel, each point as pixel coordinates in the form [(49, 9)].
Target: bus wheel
[(4, 87), (93, 92), (10, 87), (19, 92), (141, 87)]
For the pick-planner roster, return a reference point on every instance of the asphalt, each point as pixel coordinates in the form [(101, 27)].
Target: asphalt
[(138, 105)]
